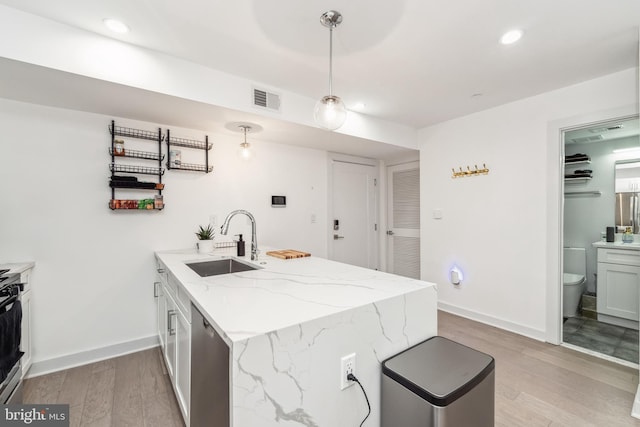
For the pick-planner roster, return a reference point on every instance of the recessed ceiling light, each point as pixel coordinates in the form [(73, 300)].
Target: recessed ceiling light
[(511, 37), (359, 106), (116, 26)]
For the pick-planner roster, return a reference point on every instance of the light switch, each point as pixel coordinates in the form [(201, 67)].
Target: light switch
[(437, 214)]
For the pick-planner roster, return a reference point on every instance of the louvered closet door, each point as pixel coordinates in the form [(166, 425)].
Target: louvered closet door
[(403, 235)]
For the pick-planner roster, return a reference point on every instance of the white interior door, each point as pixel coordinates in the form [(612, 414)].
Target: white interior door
[(352, 225), (403, 215)]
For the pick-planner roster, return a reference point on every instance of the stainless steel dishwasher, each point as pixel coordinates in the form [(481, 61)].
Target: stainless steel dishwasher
[(209, 374)]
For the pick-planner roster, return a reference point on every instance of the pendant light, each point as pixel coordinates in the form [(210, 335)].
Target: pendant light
[(245, 151), (330, 112)]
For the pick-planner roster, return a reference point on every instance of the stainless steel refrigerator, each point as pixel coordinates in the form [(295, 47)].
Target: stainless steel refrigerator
[(627, 211)]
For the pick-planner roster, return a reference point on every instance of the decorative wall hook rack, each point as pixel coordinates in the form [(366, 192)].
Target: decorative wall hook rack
[(470, 172)]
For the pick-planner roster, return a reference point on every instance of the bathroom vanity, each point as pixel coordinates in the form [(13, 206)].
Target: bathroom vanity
[(273, 337), (618, 290)]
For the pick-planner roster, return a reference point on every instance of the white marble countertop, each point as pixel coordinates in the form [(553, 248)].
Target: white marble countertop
[(634, 246), (281, 293), (17, 267)]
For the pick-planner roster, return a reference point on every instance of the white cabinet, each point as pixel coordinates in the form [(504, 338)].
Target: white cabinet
[(170, 343), (174, 334), (618, 286), (183, 363), (25, 341)]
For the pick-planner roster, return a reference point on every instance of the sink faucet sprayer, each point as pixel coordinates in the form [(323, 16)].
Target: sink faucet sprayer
[(254, 240)]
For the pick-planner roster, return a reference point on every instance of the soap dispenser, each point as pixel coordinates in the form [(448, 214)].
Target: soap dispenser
[(240, 245)]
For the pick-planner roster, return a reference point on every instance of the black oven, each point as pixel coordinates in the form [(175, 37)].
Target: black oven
[(10, 335)]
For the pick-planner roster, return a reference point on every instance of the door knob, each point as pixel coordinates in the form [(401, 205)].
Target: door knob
[(336, 237), (389, 232)]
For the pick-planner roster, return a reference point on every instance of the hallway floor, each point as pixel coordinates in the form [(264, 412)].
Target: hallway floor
[(604, 338)]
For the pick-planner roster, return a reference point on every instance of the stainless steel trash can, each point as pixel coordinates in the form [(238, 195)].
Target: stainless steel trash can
[(438, 383)]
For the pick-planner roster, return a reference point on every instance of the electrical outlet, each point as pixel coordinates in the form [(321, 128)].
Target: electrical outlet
[(213, 220), (347, 366)]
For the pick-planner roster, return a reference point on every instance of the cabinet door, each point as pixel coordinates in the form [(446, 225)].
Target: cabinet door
[(161, 309), (183, 364), (25, 341), (618, 290), (170, 314)]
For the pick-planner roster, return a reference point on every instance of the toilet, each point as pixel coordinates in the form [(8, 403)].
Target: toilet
[(574, 279)]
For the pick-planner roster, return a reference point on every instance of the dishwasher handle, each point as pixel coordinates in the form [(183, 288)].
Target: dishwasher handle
[(208, 328)]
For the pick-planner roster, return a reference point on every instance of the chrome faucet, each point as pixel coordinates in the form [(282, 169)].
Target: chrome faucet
[(254, 239)]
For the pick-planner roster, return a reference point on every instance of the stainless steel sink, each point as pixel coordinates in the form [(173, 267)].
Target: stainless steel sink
[(219, 266)]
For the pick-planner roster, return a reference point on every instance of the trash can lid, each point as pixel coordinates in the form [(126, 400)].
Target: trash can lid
[(439, 370)]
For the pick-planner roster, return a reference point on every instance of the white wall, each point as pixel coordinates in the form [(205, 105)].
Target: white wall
[(94, 270), (498, 228)]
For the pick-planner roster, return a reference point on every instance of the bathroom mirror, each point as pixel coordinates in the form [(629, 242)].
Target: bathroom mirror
[(627, 187)]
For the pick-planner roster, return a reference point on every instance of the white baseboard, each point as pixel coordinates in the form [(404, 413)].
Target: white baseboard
[(517, 328), (618, 321), (90, 356)]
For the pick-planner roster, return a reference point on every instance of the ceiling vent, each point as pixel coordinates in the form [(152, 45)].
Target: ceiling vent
[(264, 99), (606, 129), (587, 139)]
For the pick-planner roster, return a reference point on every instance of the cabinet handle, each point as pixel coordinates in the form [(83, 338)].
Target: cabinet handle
[(155, 289), (170, 328), (208, 328), (161, 270)]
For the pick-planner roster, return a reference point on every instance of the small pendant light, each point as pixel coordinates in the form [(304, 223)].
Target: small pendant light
[(330, 112), (245, 151)]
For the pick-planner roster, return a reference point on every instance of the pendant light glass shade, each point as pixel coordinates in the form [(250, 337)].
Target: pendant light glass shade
[(244, 150), (330, 112)]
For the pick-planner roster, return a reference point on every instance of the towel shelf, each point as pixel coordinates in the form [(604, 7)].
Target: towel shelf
[(581, 162), (577, 180), (583, 193)]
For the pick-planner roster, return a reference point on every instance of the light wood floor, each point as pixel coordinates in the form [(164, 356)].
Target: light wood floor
[(539, 384), (131, 390)]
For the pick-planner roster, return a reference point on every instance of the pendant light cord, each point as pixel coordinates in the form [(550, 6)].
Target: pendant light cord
[(331, 59)]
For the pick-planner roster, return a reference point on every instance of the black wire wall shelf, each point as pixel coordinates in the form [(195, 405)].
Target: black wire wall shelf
[(190, 143), (137, 154), (116, 168), (134, 133), (175, 162), (128, 183), (192, 167)]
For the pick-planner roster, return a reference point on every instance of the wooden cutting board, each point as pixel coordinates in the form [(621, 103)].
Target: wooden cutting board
[(288, 254)]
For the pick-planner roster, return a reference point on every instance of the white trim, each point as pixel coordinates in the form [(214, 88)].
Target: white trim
[(555, 211), (90, 356), (536, 334), (635, 410), (618, 321), (600, 355)]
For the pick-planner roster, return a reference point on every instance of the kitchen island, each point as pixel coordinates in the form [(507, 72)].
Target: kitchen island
[(289, 323)]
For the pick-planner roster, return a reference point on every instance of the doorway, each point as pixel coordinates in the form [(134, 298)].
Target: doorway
[(600, 293), (353, 200)]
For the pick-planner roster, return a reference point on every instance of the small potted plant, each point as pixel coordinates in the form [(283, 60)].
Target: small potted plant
[(205, 239)]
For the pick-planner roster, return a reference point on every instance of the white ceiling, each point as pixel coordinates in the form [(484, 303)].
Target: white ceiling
[(414, 62)]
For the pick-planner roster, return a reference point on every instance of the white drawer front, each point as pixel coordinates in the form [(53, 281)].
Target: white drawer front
[(182, 298), (619, 256)]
